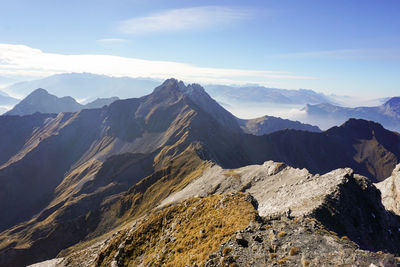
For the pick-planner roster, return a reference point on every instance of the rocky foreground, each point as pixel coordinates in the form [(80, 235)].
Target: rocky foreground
[(259, 215)]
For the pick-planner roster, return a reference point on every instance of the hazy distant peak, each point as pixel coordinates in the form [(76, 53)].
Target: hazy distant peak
[(39, 91), (40, 100), (394, 101)]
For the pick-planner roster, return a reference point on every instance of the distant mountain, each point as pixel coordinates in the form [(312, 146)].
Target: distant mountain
[(326, 115), (6, 100), (269, 124), (6, 80), (86, 86), (265, 94), (101, 102), (43, 102), (70, 178)]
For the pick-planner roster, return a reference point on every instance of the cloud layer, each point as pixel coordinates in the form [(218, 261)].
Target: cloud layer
[(183, 19), (21, 60)]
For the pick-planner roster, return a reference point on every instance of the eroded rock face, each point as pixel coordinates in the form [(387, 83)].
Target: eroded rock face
[(293, 242), (344, 202), (390, 191)]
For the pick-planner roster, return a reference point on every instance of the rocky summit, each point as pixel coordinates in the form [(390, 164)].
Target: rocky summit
[(172, 178)]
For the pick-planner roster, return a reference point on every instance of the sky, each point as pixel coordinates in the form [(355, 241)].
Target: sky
[(337, 47)]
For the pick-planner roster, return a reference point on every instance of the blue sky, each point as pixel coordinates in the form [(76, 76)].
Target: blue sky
[(341, 47)]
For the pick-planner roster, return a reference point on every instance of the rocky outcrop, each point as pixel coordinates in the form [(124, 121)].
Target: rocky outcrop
[(282, 241), (390, 191), (344, 202)]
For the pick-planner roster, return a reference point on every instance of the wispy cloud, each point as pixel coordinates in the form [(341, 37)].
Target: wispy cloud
[(21, 60), (360, 53), (112, 41), (184, 19)]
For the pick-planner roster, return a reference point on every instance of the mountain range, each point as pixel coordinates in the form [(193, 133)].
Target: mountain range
[(327, 115), (84, 185), (84, 86), (256, 93), (41, 101)]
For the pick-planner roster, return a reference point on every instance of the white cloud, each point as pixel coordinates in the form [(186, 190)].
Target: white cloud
[(21, 60), (111, 40), (184, 19)]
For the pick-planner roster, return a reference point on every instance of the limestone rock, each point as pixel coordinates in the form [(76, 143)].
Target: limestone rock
[(390, 191)]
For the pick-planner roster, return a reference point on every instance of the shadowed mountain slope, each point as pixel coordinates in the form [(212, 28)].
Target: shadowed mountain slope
[(364, 146), (86, 173), (15, 131)]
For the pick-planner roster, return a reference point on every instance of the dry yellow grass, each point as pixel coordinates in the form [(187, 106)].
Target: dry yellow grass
[(198, 226)]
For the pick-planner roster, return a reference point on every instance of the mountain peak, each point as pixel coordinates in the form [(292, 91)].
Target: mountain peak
[(39, 91), (42, 101), (197, 95), (170, 85), (361, 125), (173, 83), (392, 106), (394, 101)]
